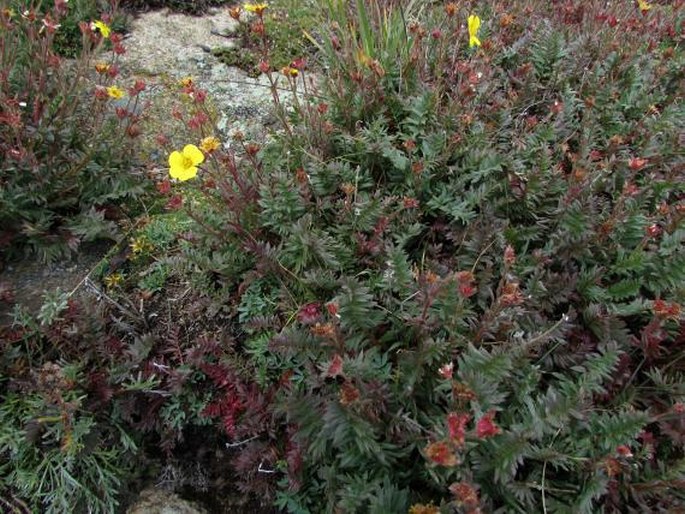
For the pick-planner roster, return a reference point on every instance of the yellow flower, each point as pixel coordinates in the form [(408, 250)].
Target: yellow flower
[(183, 165), (186, 82), (102, 27), (102, 67), (474, 25), (209, 144), (288, 71), (113, 280), (643, 6), (258, 9), (115, 92)]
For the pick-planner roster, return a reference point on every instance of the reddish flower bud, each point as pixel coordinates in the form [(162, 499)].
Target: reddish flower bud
[(486, 427), (133, 130), (164, 187), (299, 64), (121, 112), (409, 145), (348, 394), (506, 20), (198, 120), (462, 393), (465, 284), (596, 155), (61, 7), (54, 61), (332, 308), (112, 71), (161, 139), (258, 28), (138, 87), (175, 203), (101, 93), (636, 163), (264, 67), (252, 149), (335, 367), (509, 256), (557, 107), (446, 370), (511, 295), (84, 27), (301, 176), (630, 189), (322, 108), (465, 495), (612, 466), (666, 310), (653, 230), (323, 330), (16, 154), (235, 13), (199, 95), (436, 34), (441, 454), (310, 313), (624, 451), (456, 426), (410, 203)]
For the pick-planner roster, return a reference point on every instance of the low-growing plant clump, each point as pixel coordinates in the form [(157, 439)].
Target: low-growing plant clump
[(465, 256), (69, 132), (452, 282)]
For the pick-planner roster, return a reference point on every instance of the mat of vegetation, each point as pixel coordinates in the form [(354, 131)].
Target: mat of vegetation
[(451, 283)]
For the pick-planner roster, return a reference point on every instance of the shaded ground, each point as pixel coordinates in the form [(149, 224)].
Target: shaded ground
[(26, 281)]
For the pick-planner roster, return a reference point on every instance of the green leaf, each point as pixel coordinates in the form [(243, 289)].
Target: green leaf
[(624, 289)]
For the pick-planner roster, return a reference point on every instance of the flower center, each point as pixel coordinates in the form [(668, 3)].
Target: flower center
[(187, 162)]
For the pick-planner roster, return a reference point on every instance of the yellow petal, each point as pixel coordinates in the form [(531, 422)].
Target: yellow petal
[(176, 160), (194, 154), (183, 174), (474, 24), (102, 27)]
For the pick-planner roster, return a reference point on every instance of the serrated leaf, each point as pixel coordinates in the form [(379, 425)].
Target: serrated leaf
[(624, 289), (637, 306)]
